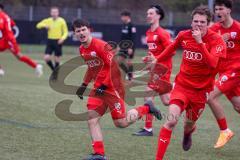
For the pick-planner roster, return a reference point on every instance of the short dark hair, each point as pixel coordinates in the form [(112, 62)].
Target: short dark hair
[(226, 3), (203, 10), (126, 13), (1, 6), (80, 23), (54, 7), (159, 10)]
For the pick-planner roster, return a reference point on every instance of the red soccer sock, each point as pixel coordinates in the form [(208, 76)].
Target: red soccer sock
[(28, 61), (98, 147), (222, 124), (163, 142), (142, 110), (148, 121)]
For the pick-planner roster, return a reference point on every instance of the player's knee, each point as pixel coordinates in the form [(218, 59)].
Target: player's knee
[(237, 108), (165, 99), (148, 98), (171, 123), (120, 124), (47, 58), (18, 56), (211, 100), (93, 122), (213, 96), (132, 115), (57, 59), (165, 102)]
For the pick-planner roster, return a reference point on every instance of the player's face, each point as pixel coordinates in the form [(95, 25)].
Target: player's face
[(125, 19), (54, 12), (221, 12), (83, 33), (152, 16), (200, 22)]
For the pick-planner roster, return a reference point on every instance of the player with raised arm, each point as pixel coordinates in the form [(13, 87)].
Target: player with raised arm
[(203, 51), (107, 92), (8, 41), (157, 40), (228, 82)]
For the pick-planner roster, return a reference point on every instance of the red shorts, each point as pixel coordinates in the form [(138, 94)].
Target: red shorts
[(110, 101), (7, 45), (191, 100), (229, 84), (3, 45)]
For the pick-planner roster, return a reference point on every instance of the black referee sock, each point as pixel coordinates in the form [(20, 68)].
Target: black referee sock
[(50, 64), (130, 68), (124, 67), (130, 72), (56, 65)]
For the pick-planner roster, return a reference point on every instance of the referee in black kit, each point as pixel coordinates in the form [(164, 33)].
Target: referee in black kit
[(126, 45)]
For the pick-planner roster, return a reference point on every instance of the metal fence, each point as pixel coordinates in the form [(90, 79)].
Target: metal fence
[(100, 16)]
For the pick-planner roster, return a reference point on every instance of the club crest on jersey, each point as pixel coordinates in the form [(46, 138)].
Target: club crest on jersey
[(233, 35), (223, 79), (117, 106), (93, 54)]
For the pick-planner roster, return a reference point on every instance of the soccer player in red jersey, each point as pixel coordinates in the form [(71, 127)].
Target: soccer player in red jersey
[(107, 92), (228, 82), (203, 51), (157, 40), (8, 41)]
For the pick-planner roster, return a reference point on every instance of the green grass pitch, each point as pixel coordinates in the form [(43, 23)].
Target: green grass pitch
[(30, 130)]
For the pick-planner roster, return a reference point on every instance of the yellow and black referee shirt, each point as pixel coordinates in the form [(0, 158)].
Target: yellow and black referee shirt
[(57, 28)]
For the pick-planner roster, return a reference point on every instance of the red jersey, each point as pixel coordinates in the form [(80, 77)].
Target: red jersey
[(199, 62), (6, 34), (157, 41), (233, 45), (101, 66)]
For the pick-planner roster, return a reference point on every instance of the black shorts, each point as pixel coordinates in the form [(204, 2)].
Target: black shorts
[(53, 46), (124, 54)]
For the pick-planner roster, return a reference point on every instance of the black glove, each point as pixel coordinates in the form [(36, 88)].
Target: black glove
[(81, 90), (100, 90)]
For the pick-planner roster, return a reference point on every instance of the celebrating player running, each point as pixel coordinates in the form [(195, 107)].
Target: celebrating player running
[(228, 82), (203, 51), (108, 91), (157, 39)]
